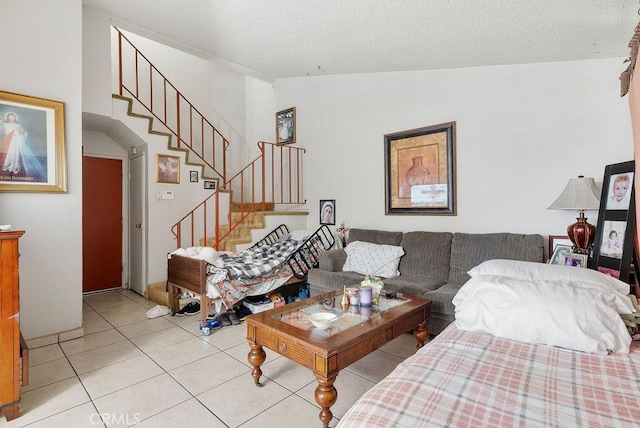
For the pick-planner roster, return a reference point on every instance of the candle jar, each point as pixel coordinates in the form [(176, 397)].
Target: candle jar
[(366, 295), (353, 295)]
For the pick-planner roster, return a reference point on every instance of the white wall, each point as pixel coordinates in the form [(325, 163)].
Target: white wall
[(43, 40), (522, 132), (96, 62)]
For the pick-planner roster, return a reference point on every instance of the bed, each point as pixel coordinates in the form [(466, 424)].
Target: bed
[(282, 257), (468, 376)]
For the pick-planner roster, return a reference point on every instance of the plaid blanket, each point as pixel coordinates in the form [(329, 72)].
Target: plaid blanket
[(464, 379), (260, 261)]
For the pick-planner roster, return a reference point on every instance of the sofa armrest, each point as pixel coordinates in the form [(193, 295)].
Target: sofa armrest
[(332, 260)]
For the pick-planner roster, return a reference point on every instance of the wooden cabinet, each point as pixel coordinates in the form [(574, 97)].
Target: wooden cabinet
[(13, 367)]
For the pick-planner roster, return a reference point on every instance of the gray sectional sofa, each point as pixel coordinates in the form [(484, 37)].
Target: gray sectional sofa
[(435, 264)]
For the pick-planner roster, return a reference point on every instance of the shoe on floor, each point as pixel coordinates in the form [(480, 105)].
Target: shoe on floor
[(242, 311), (189, 309), (235, 320), (224, 319), (158, 311)]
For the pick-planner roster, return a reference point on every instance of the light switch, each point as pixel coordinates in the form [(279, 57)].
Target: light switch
[(168, 194), (158, 195)]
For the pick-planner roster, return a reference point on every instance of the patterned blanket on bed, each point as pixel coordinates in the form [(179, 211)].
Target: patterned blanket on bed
[(260, 261), (464, 379)]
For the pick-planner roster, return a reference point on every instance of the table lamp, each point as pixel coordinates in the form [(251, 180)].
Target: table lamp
[(580, 194)]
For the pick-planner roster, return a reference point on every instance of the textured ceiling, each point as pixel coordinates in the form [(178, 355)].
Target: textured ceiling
[(285, 38)]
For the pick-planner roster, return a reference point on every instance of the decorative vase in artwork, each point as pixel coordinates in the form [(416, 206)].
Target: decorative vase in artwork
[(417, 175)]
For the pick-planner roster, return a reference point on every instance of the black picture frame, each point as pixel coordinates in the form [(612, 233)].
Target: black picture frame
[(420, 171), (193, 176), (613, 245), (210, 185), (327, 218)]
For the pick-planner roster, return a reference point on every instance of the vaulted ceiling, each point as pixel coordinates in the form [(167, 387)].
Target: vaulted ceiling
[(284, 38)]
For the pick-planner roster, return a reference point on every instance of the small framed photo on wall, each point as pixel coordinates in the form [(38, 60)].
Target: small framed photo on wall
[(193, 176), (210, 185), (613, 246), (167, 169), (286, 126), (327, 211)]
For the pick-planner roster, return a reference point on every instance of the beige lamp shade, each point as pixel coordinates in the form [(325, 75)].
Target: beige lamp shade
[(580, 194)]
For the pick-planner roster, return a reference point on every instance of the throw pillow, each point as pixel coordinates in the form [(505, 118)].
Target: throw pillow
[(366, 258)]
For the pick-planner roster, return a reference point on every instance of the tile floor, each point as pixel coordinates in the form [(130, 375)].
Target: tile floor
[(162, 372)]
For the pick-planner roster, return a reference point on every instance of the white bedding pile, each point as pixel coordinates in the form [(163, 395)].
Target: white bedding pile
[(568, 307)]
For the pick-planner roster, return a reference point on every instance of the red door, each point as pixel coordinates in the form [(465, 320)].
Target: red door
[(101, 223)]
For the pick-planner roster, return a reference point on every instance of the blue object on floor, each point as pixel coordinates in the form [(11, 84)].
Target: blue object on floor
[(303, 293), (213, 324)]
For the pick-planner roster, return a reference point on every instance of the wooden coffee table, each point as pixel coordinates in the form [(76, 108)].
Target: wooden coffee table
[(358, 332)]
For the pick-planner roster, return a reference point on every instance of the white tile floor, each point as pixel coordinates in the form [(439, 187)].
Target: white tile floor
[(130, 370)]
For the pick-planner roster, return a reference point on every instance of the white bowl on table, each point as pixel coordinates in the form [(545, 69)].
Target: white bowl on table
[(322, 320)]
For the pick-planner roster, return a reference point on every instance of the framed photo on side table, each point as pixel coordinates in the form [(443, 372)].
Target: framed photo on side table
[(420, 171), (559, 253), (558, 239), (613, 246), (32, 145), (575, 259)]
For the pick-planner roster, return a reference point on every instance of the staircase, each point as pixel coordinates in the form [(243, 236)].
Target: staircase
[(240, 202)]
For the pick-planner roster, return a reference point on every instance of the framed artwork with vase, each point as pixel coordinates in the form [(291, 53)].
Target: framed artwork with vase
[(420, 171)]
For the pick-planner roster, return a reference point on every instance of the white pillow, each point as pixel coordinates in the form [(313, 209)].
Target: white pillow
[(300, 235), (543, 271), (373, 259), (554, 313)]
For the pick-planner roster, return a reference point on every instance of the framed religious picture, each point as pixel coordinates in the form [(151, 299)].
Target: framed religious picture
[(193, 176), (613, 246), (286, 126), (420, 171), (167, 169), (328, 211), (32, 145)]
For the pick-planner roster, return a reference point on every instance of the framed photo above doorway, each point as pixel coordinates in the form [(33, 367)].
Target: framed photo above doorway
[(420, 171)]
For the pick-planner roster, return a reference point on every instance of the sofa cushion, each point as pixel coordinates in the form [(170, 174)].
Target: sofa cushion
[(322, 281), (469, 250), (411, 285), (374, 236), (332, 260), (373, 259), (426, 255)]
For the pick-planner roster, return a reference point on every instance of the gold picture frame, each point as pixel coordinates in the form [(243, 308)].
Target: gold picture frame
[(32, 144), (167, 169), (420, 171), (286, 126)]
